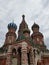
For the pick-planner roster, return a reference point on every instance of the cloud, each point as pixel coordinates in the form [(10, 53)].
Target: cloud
[(45, 3), (34, 10)]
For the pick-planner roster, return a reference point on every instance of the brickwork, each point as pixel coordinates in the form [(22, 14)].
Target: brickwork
[(22, 50)]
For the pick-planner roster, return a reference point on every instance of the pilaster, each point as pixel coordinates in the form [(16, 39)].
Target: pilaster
[(31, 57), (24, 59), (8, 61)]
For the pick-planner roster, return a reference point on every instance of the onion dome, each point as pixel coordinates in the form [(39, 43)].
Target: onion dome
[(12, 25), (23, 24), (35, 26), (26, 30)]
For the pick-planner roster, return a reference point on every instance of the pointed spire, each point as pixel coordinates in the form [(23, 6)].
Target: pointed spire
[(23, 17), (23, 24)]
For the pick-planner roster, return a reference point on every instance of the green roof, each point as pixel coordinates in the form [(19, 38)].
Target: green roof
[(37, 46), (21, 37), (31, 41)]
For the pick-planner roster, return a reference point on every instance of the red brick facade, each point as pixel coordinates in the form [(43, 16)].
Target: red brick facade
[(24, 49)]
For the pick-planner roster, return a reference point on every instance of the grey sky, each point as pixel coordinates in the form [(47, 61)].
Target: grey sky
[(34, 10)]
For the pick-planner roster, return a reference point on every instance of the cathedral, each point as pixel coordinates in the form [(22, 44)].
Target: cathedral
[(25, 49)]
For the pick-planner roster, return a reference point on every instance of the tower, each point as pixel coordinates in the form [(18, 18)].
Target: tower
[(9, 41), (11, 34), (37, 36), (22, 26), (23, 31)]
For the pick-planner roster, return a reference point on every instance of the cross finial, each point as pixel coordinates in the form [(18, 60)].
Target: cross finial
[(23, 16)]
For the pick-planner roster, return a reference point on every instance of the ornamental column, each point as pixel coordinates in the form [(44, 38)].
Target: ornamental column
[(24, 59), (8, 60), (31, 57)]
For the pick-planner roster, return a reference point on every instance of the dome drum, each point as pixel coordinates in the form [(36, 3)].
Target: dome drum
[(10, 34)]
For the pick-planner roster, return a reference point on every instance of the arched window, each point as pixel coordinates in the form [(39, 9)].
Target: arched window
[(14, 58), (28, 55), (14, 51), (39, 62), (19, 56)]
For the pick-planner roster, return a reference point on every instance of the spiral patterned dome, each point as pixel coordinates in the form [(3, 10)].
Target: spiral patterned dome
[(12, 25)]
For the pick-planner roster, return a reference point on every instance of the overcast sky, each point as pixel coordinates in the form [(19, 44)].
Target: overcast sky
[(34, 10)]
